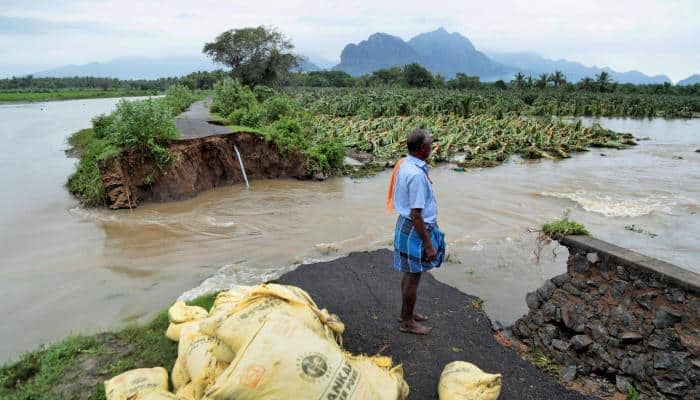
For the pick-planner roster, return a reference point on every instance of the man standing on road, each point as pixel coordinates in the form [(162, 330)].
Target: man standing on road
[(418, 243)]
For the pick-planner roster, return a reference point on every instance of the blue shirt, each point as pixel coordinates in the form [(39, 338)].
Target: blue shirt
[(414, 190)]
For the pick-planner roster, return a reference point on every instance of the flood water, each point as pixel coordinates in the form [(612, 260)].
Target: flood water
[(68, 269)]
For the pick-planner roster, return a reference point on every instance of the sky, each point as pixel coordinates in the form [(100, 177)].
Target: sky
[(655, 37)]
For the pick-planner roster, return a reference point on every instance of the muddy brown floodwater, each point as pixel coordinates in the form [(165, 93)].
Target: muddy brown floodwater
[(68, 269)]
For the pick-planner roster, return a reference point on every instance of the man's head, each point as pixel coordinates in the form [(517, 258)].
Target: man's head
[(419, 143)]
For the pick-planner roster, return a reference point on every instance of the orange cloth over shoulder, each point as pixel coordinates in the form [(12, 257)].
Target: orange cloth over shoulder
[(392, 186)]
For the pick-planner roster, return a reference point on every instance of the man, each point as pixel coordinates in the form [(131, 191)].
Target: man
[(418, 243)]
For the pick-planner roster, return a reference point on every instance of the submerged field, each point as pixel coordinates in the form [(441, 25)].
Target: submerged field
[(69, 94)]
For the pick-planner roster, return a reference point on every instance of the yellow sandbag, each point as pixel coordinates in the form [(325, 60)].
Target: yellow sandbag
[(270, 301), (232, 296), (136, 382), (179, 375), (156, 395), (201, 358), (386, 381), (285, 359), (464, 381), (181, 312), (174, 330), (185, 393)]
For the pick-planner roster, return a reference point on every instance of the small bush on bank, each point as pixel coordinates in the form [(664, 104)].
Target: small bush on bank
[(145, 125), (277, 107), (322, 153), (564, 226), (178, 98), (263, 93), (230, 96)]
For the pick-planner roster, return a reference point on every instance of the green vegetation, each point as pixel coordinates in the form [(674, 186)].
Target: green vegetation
[(564, 226), (397, 101), (632, 394), (69, 94), (147, 125), (279, 120), (484, 140), (58, 371), (541, 361), (257, 55)]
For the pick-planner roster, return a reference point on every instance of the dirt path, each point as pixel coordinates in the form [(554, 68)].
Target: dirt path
[(364, 291), (194, 122)]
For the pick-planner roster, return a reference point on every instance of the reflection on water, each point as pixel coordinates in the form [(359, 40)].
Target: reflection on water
[(69, 268)]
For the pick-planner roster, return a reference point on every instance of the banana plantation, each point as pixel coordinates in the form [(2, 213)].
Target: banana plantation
[(343, 102)]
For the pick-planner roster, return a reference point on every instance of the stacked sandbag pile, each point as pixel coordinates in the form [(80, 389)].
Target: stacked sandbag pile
[(261, 342)]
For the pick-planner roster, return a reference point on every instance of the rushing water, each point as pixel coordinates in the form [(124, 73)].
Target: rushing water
[(68, 269)]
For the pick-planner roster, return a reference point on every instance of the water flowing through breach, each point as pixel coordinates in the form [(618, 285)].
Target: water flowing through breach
[(73, 269)]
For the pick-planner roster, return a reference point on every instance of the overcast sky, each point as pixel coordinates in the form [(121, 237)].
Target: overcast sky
[(655, 37)]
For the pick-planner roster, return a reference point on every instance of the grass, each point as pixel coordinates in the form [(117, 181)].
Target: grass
[(79, 364), (564, 226), (541, 361), (79, 140), (69, 94)]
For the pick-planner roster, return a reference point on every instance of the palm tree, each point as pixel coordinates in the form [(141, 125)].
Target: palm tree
[(519, 79), (558, 78), (603, 80), (586, 83), (542, 81)]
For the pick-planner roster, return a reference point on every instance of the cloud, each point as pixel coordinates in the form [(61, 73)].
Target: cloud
[(39, 26), (647, 35)]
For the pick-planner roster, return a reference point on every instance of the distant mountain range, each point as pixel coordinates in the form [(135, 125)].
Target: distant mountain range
[(447, 53), (691, 80), (134, 68), (533, 64), (441, 52)]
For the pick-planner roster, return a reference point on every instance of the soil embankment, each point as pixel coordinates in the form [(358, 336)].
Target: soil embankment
[(199, 164)]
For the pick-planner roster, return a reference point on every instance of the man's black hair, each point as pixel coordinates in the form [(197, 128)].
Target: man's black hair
[(416, 139)]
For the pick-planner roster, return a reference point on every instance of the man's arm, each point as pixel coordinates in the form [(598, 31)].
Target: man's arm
[(419, 224)]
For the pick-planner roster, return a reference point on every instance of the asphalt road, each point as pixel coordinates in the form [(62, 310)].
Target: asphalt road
[(363, 290), (194, 122)]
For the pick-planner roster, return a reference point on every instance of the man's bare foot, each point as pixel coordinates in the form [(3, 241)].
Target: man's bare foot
[(417, 317), (415, 328)]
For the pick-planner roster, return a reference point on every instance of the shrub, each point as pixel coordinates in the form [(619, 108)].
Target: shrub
[(178, 97), (322, 153), (276, 107), (250, 118), (263, 93), (101, 123), (143, 124), (230, 95)]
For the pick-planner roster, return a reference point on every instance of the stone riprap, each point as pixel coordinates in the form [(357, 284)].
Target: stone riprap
[(620, 315)]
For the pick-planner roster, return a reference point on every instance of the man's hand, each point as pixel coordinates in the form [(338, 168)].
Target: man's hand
[(429, 252)]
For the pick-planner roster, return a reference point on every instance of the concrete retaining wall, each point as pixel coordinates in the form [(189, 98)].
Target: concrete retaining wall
[(627, 317)]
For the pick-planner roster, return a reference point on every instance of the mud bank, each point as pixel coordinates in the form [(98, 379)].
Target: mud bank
[(200, 164)]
